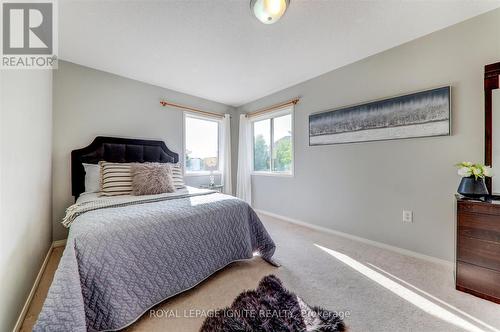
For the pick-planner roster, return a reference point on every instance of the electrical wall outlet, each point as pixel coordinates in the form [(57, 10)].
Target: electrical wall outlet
[(407, 216)]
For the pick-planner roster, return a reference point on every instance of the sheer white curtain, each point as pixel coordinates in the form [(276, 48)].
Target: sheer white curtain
[(244, 183), (226, 154)]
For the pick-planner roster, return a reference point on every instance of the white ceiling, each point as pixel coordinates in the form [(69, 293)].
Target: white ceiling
[(217, 50)]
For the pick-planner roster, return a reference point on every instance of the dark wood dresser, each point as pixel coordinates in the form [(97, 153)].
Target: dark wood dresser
[(478, 248)]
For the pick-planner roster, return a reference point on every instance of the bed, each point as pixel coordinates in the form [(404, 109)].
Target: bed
[(125, 254)]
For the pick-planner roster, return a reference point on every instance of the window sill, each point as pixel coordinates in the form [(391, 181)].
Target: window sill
[(285, 175), (202, 173)]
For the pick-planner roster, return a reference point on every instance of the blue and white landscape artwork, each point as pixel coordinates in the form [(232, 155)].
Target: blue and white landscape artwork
[(420, 114)]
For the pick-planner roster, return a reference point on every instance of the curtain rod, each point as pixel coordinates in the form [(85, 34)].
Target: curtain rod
[(191, 109), (274, 107)]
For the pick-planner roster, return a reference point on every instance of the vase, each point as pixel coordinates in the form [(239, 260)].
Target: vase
[(472, 187)]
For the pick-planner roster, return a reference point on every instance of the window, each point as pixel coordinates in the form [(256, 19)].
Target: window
[(201, 141), (273, 143)]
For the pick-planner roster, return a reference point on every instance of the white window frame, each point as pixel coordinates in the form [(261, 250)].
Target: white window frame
[(219, 140), (272, 115)]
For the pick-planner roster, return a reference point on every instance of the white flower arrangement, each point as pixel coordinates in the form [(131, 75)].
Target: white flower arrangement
[(467, 169)]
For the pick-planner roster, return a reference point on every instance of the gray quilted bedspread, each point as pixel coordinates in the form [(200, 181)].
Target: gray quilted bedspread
[(119, 262)]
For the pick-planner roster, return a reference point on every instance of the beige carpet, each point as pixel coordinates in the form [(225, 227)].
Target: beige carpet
[(378, 290)]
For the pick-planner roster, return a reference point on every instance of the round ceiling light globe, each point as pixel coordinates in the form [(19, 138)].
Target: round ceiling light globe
[(269, 11)]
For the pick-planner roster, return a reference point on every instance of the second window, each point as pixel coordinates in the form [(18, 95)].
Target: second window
[(273, 143)]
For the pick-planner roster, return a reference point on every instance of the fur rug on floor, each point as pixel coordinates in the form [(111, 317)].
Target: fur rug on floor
[(272, 308)]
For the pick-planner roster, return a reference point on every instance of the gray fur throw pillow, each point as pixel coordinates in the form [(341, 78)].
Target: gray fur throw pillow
[(151, 179)]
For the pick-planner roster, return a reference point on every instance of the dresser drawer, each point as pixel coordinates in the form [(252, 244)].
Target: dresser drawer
[(478, 207), (479, 226), (479, 252), (479, 280)]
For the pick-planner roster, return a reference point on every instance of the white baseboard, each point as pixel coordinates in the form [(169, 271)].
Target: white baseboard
[(27, 304), (406, 252)]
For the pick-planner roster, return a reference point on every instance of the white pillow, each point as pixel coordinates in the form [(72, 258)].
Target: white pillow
[(92, 177), (177, 176)]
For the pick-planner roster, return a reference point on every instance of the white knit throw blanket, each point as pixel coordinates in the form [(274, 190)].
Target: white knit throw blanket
[(78, 209)]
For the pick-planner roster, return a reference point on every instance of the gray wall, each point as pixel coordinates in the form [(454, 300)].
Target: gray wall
[(362, 188), (88, 103), (25, 185)]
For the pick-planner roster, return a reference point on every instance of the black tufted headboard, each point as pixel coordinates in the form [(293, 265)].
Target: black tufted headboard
[(119, 150)]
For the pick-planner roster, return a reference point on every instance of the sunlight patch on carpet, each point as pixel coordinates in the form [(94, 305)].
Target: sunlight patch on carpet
[(436, 299), (403, 292)]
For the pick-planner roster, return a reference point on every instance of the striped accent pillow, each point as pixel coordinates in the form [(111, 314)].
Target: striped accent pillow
[(177, 176), (116, 179)]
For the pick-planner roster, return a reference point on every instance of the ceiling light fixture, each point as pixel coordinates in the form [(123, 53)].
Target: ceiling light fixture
[(269, 11)]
